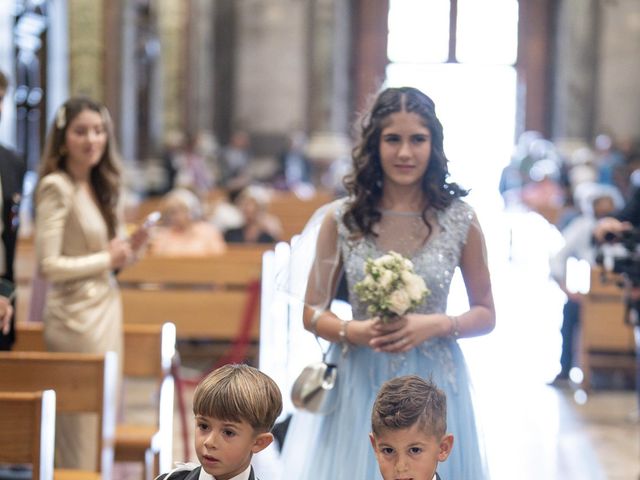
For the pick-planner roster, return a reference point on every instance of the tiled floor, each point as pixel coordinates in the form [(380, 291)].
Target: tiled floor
[(531, 430)]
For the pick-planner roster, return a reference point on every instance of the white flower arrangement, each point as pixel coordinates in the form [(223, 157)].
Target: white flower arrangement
[(390, 286)]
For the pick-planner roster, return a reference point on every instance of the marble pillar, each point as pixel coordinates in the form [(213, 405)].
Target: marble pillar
[(329, 88), (200, 91), (172, 31), (87, 48), (576, 62)]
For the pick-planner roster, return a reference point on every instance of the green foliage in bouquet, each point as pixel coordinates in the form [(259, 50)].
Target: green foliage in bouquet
[(390, 286)]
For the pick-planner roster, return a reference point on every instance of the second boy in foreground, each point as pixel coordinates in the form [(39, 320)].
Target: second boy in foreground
[(235, 408), (409, 425)]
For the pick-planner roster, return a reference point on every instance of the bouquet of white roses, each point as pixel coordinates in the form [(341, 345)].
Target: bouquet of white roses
[(390, 286)]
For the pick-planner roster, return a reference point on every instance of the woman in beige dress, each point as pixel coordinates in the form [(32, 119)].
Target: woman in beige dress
[(78, 247)]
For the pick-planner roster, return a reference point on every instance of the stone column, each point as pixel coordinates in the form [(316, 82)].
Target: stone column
[(172, 23), (576, 61), (200, 91), (87, 48), (329, 85)]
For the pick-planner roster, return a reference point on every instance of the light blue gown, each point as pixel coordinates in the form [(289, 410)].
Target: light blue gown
[(336, 446)]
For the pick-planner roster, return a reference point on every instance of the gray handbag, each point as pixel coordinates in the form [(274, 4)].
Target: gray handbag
[(315, 388)]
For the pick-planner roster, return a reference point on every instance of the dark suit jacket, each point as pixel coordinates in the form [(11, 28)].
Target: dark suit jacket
[(193, 475), (12, 171)]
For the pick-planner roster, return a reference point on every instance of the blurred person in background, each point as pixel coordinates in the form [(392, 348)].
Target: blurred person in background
[(12, 171), (183, 231), (596, 201), (258, 225), (80, 244)]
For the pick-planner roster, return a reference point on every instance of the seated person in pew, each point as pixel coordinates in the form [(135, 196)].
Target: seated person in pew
[(183, 232), (258, 226), (409, 429), (235, 408)]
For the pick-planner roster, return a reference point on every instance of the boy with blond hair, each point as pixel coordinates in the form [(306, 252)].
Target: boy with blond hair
[(235, 408), (409, 429)]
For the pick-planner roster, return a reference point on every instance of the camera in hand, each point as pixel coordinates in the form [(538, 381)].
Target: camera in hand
[(620, 254)]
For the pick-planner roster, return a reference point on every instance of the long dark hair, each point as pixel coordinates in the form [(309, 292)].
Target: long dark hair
[(105, 176), (364, 185)]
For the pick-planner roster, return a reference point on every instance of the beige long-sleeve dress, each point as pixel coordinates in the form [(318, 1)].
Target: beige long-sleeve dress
[(83, 310)]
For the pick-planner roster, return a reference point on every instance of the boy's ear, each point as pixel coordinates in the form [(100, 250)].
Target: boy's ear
[(446, 444), (262, 441), (373, 442)]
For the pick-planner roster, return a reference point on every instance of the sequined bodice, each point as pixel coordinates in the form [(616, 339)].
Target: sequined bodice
[(434, 259)]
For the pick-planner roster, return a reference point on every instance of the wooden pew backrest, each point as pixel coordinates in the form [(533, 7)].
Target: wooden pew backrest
[(205, 297), (83, 383), (27, 430), (148, 353)]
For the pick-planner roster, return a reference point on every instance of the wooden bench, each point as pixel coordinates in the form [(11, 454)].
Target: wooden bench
[(606, 341), (27, 431), (24, 268), (294, 212), (205, 297), (84, 383), (149, 351), (148, 354)]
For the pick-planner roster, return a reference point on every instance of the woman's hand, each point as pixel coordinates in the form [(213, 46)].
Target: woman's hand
[(408, 332), (6, 311), (362, 332), (120, 252), (139, 238)]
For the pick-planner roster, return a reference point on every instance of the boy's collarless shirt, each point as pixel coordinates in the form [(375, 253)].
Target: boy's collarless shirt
[(246, 475)]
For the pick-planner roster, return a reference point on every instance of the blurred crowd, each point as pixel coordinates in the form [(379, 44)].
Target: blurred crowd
[(553, 179)]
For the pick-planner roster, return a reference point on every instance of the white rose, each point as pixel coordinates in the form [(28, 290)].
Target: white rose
[(385, 279), (414, 285), (399, 302), (383, 260), (368, 281)]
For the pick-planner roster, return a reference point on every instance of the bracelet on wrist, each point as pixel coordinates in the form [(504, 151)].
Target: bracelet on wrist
[(454, 331), (343, 336)]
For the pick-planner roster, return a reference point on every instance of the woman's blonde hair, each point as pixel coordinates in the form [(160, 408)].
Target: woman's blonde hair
[(239, 392), (105, 176)]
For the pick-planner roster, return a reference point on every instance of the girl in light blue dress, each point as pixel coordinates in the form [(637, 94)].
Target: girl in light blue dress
[(399, 200)]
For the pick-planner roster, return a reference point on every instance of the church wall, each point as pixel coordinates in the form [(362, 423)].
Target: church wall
[(618, 91)]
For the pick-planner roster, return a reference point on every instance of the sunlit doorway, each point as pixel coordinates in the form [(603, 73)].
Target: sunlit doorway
[(462, 54)]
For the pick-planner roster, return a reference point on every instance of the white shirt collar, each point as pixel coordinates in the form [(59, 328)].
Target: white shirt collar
[(241, 476)]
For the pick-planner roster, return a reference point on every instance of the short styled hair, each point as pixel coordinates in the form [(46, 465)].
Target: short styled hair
[(239, 392), (4, 81), (405, 401)]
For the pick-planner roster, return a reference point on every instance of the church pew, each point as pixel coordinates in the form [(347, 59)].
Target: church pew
[(205, 297), (84, 383), (24, 267), (27, 431), (148, 353), (606, 341), (294, 212)]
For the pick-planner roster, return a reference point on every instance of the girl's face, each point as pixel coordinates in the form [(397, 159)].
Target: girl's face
[(405, 149), (86, 140)]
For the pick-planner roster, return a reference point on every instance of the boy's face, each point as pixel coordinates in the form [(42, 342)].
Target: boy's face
[(224, 448), (409, 453)]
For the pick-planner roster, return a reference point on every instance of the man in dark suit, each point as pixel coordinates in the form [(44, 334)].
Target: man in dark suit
[(12, 171)]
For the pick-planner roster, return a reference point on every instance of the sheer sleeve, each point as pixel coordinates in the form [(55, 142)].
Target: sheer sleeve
[(326, 266), (53, 204)]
